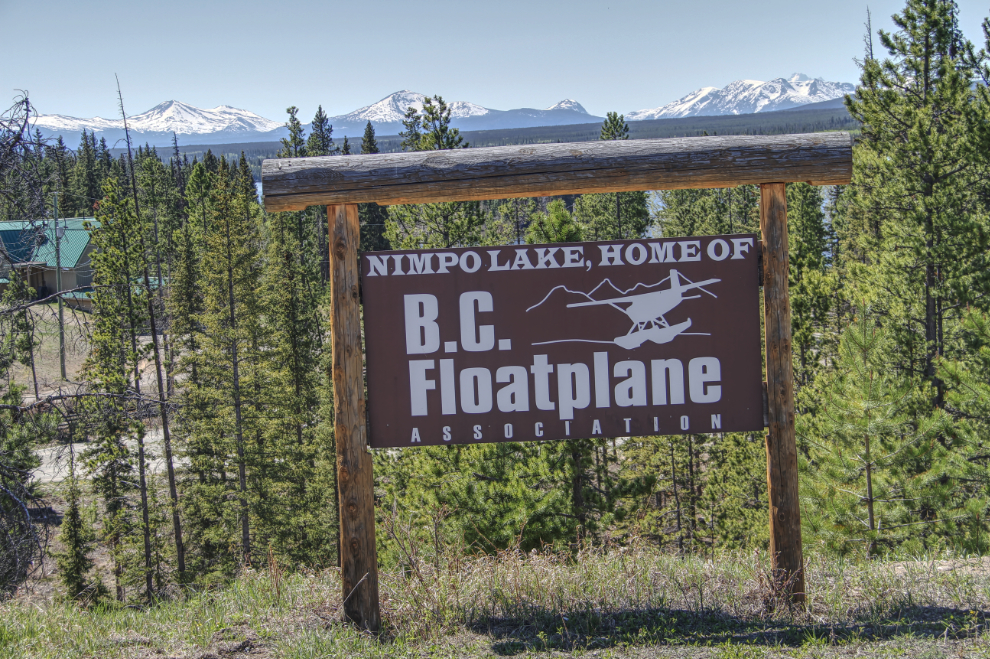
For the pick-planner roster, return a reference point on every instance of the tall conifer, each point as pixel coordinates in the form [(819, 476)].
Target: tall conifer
[(450, 224), (216, 422), (372, 216), (293, 146), (77, 538), (919, 188), (613, 215), (320, 141), (112, 367), (864, 448)]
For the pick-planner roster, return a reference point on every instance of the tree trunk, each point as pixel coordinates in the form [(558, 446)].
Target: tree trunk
[(34, 373), (238, 426), (166, 438), (577, 485), (132, 322), (146, 521), (677, 498), (693, 491)]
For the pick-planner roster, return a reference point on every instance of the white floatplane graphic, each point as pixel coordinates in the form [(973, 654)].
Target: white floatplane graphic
[(645, 310)]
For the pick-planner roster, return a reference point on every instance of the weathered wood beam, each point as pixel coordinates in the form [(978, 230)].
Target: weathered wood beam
[(553, 169)]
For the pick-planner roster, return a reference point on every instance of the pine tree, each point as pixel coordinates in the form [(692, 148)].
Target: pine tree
[(596, 214), (77, 538), (368, 142), (113, 366), (19, 435), (185, 297), (320, 142), (345, 148), (554, 226), (411, 133), (216, 425), (920, 187), (85, 185), (104, 159), (967, 463), (708, 212), (735, 496), (864, 448), (613, 215), (437, 133), (61, 166), (451, 224), (671, 510), (22, 338), (211, 162), (809, 284), (614, 127), (159, 199), (513, 218), (287, 499), (153, 317), (372, 216), (487, 498), (293, 146), (198, 191)]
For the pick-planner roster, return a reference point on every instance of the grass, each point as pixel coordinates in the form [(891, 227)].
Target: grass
[(47, 351), (620, 602)]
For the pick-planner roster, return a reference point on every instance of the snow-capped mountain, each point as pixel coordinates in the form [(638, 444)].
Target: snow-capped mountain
[(386, 115), (66, 124), (568, 104), (749, 96), (392, 109), (168, 117), (225, 124)]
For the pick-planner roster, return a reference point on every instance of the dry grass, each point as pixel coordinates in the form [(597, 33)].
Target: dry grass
[(46, 359), (629, 601)]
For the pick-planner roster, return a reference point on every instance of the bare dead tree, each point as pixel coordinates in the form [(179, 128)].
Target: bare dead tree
[(162, 403), (22, 196), (22, 177)]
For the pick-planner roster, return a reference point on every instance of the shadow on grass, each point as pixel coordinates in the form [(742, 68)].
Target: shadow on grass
[(590, 630)]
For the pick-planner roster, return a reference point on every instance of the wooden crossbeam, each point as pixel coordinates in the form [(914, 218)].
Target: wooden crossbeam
[(553, 169)]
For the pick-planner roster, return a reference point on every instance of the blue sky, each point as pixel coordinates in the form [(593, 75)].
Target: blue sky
[(617, 55)]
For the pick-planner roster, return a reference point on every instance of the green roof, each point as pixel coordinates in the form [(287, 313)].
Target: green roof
[(35, 241), (79, 295)]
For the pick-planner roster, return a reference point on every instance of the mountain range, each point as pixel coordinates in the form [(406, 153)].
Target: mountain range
[(225, 124), (749, 97)]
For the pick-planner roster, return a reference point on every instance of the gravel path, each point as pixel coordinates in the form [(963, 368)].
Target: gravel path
[(55, 459)]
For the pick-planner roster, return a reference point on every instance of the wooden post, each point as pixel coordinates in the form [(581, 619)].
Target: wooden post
[(355, 483), (782, 474)]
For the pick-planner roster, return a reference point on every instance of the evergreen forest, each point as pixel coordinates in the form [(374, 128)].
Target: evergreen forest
[(195, 436)]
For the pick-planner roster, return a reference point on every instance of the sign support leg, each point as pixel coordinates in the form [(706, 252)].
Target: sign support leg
[(782, 475), (358, 556)]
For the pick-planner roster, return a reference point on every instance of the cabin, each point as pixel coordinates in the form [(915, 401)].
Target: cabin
[(29, 249)]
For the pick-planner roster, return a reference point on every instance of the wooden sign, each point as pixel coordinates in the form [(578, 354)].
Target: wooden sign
[(548, 169), (538, 342)]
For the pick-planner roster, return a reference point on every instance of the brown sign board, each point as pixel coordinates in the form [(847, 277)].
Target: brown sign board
[(571, 340)]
